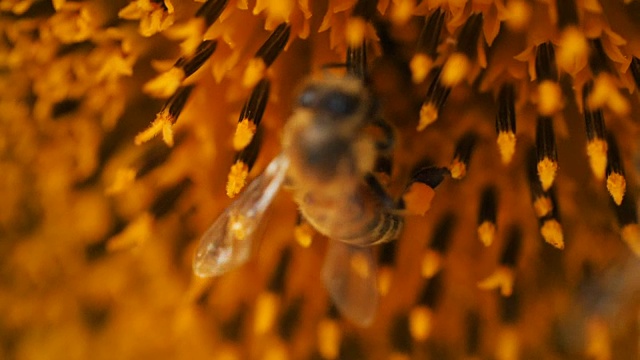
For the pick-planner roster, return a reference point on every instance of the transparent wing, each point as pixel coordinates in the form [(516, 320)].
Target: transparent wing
[(227, 243), (349, 273)]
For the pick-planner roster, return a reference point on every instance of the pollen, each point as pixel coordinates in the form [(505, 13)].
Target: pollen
[(502, 278), (245, 130), (597, 152), (507, 146), (402, 11), (519, 14), (458, 169), (428, 115), (431, 264), (329, 339), (254, 72), (542, 206), (237, 178), (355, 31), (549, 98), (573, 50), (266, 310), (165, 84), (420, 66), (303, 234), (136, 234), (162, 124), (123, 179), (385, 277), (420, 323), (455, 69), (487, 233), (551, 231), (547, 170), (631, 236), (616, 185), (360, 265)]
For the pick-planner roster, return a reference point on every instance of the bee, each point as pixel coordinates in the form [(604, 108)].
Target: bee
[(327, 161)]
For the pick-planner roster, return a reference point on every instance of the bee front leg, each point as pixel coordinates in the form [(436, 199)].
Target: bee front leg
[(420, 191)]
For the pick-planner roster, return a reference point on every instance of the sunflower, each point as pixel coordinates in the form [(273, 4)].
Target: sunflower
[(127, 127)]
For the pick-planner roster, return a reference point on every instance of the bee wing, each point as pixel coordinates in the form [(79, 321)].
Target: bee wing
[(227, 243), (349, 274)]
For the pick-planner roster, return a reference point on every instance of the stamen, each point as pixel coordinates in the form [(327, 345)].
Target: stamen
[(329, 335), (502, 278), (473, 334), (433, 256), (290, 320), (251, 114), (458, 65), (616, 182), (166, 118), (598, 60), (546, 151), (166, 201), (596, 143), (421, 315), (133, 235), (274, 45), (427, 48), (266, 55), (386, 261), (266, 312), (510, 308), (627, 215), (542, 204), (237, 178), (549, 91), (191, 64), (469, 35), (573, 48), (508, 344), (442, 234), (356, 27), (598, 339), (635, 71), (487, 215), (357, 60), (303, 232), (506, 123), (436, 97), (278, 278), (156, 155), (210, 11), (462, 155), (400, 337), (546, 68), (567, 14), (551, 232), (511, 250), (420, 323)]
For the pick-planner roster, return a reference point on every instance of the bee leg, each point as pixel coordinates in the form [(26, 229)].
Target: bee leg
[(303, 232), (420, 191), (379, 191), (388, 136), (384, 161)]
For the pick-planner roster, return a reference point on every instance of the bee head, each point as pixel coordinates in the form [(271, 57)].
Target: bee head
[(336, 100)]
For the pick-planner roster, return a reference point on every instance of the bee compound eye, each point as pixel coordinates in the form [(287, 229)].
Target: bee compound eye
[(339, 103), (308, 97)]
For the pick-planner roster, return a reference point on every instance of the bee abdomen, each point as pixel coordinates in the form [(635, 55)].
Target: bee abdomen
[(386, 227)]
